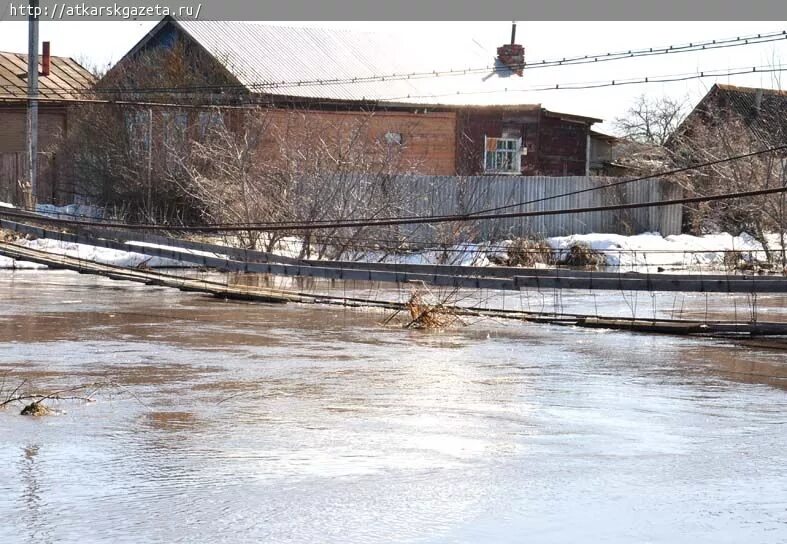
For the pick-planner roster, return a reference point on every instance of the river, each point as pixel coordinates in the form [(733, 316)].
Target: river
[(234, 422)]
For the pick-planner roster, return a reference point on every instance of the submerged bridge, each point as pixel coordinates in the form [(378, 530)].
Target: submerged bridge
[(228, 259)]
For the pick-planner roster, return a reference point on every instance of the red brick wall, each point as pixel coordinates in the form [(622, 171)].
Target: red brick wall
[(428, 140), (563, 146), (555, 147)]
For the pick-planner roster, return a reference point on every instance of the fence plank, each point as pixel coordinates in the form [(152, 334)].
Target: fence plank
[(447, 195)]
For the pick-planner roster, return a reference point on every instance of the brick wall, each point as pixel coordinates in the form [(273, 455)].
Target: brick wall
[(427, 144), (555, 147), (563, 146)]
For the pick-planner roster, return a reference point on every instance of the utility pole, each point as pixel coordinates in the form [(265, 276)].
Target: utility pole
[(150, 163), (32, 94)]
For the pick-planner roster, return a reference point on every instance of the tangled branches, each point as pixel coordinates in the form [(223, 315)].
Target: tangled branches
[(34, 401)]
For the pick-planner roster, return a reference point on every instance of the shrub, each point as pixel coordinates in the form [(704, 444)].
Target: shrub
[(581, 254)]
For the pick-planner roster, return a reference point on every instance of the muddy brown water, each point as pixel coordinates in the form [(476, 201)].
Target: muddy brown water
[(264, 423)]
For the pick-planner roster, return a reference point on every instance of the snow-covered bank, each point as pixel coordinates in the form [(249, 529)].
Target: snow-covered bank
[(637, 252), (90, 253), (641, 252), (71, 211), (676, 251)]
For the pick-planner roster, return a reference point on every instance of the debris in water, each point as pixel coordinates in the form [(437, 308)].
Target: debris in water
[(426, 315), (36, 409)]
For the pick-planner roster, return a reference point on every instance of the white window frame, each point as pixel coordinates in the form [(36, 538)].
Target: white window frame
[(500, 156)]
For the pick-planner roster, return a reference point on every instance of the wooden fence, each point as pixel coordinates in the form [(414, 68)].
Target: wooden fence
[(448, 195), (13, 177)]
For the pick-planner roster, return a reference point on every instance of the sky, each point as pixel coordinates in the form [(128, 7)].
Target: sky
[(99, 43)]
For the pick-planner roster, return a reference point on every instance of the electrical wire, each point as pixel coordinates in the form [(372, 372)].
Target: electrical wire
[(247, 101), (299, 226), (765, 69), (472, 215), (706, 45)]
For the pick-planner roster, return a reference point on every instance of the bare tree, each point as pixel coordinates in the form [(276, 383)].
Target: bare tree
[(224, 174), (118, 155), (290, 165), (715, 135), (652, 120)]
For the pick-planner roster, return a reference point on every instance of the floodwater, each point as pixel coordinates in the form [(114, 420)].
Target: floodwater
[(233, 422)]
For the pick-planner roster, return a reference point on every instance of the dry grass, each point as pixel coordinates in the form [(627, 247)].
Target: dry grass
[(14, 237), (581, 254), (529, 252), (733, 259), (9, 235), (737, 261)]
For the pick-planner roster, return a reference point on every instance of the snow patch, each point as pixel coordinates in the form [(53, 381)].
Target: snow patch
[(91, 253), (71, 211), (639, 252), (653, 250)]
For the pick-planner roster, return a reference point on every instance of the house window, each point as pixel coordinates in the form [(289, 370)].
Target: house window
[(175, 127), (502, 155), (393, 138), (209, 121), (138, 128)]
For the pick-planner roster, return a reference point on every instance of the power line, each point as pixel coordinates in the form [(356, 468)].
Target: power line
[(397, 221), (471, 215), (707, 45), (545, 63), (368, 243), (641, 178), (257, 101), (765, 69)]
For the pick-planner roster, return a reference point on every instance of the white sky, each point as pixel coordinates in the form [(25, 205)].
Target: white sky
[(100, 43)]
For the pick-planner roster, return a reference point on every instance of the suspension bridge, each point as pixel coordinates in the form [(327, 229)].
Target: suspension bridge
[(202, 256)]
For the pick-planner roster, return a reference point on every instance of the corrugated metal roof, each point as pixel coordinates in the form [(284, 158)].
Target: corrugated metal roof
[(762, 111), (66, 79), (265, 54)]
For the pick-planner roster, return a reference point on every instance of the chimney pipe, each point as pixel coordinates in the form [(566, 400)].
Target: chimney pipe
[(512, 54), (45, 60)]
